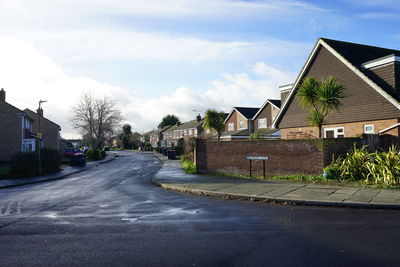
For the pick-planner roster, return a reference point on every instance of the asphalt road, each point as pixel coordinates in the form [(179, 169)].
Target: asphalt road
[(112, 216)]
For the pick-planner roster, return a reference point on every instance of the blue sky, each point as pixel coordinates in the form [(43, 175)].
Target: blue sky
[(171, 56)]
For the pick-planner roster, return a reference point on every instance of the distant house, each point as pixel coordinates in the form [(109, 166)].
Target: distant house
[(16, 130), (263, 119), (371, 78), (50, 130), (176, 135), (145, 138), (239, 123), (157, 136)]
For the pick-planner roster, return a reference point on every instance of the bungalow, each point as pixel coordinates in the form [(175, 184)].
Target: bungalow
[(176, 135), (50, 130), (371, 79), (16, 130), (239, 123)]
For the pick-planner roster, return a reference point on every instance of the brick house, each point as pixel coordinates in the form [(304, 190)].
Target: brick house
[(16, 130), (371, 78), (263, 119), (239, 123), (50, 130), (176, 135), (157, 136)]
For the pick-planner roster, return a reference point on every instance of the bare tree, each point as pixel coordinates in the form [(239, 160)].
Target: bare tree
[(97, 118)]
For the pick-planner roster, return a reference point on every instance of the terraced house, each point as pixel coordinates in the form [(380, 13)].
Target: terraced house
[(50, 130), (371, 78), (16, 130), (181, 132)]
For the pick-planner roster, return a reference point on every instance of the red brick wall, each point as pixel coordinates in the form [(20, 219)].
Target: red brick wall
[(285, 156)]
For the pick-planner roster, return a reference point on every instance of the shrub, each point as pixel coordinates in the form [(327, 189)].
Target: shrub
[(385, 169), (93, 154), (377, 168), (353, 165), (188, 166), (255, 136), (50, 160), (24, 164)]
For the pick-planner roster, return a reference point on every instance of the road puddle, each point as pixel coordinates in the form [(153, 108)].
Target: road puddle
[(129, 219)]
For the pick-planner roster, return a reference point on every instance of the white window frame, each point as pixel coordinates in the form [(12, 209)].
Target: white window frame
[(369, 132), (240, 125), (262, 123), (335, 131), (231, 126)]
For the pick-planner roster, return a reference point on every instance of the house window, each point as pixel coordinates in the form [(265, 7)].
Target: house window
[(231, 126), (369, 129), (262, 123), (335, 132), (241, 125)]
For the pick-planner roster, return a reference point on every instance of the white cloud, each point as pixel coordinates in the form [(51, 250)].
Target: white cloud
[(98, 45), (69, 10), (28, 76)]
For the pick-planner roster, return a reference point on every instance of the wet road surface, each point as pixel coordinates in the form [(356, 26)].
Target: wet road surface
[(112, 216)]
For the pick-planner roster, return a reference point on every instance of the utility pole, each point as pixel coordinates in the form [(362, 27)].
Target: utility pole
[(39, 135)]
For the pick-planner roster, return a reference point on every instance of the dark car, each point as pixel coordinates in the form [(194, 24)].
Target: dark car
[(69, 152), (78, 158)]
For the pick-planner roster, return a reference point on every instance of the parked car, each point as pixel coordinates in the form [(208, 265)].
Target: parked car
[(77, 156), (68, 152)]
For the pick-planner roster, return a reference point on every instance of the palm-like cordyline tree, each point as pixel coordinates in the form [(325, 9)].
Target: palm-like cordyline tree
[(214, 120), (322, 97)]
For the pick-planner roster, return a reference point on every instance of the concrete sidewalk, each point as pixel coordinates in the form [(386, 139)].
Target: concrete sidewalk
[(66, 171), (171, 176)]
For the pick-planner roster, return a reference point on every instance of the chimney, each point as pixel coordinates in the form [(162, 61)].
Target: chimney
[(285, 91), (198, 118), (40, 112), (2, 95)]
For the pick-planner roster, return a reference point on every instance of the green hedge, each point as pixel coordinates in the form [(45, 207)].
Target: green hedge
[(25, 164), (93, 154)]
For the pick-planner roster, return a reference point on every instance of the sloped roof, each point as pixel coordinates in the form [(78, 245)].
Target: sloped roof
[(266, 131), (275, 102), (247, 112), (160, 130), (244, 132), (187, 125), (33, 115), (357, 54), (353, 55)]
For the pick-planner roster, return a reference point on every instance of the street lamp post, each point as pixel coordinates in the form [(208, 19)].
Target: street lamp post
[(39, 134)]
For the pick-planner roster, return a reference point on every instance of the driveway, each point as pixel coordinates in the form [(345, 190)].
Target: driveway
[(111, 215)]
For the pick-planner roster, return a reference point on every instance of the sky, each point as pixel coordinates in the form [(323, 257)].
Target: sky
[(182, 57)]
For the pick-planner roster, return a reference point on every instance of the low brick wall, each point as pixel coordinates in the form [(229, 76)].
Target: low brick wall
[(301, 156)]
